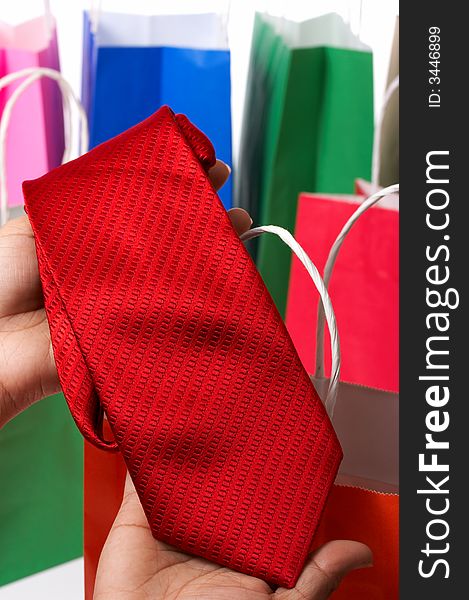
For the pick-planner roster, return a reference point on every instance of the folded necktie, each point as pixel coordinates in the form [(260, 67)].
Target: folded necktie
[(160, 320)]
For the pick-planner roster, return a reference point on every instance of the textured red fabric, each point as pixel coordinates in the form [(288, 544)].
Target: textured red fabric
[(160, 319)]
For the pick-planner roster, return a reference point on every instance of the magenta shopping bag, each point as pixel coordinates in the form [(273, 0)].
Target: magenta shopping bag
[(35, 142)]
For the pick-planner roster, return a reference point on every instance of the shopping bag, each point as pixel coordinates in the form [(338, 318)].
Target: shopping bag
[(42, 453), (36, 139), (365, 288), (104, 478), (363, 504), (308, 125), (132, 64), (42, 490)]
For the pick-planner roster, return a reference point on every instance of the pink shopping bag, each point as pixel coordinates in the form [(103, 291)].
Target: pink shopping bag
[(35, 142)]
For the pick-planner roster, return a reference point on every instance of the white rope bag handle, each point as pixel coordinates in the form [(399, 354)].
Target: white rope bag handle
[(32, 74), (322, 311), (376, 157), (289, 240)]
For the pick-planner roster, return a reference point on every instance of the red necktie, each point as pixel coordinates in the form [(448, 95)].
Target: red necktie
[(160, 319)]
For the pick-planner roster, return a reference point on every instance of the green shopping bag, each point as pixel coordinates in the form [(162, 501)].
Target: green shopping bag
[(308, 125), (41, 450), (41, 505)]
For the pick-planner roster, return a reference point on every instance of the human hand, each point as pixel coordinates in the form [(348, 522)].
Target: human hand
[(135, 566), (27, 367)]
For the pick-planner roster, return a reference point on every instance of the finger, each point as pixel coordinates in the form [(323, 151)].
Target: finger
[(128, 557), (219, 174), (240, 220), (326, 568), (131, 523), (129, 487), (131, 511)]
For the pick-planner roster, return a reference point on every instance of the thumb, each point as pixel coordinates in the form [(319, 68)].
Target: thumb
[(326, 568), (131, 511)]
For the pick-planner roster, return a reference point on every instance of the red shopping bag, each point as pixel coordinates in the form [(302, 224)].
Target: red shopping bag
[(364, 289), (364, 503)]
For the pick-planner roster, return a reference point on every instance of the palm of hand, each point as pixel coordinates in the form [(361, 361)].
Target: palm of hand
[(135, 566), (159, 570), (27, 368)]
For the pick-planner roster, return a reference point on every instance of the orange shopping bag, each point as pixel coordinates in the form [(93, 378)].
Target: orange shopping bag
[(103, 490), (362, 505)]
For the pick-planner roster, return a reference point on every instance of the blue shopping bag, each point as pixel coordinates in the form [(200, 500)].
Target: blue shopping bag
[(133, 64)]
